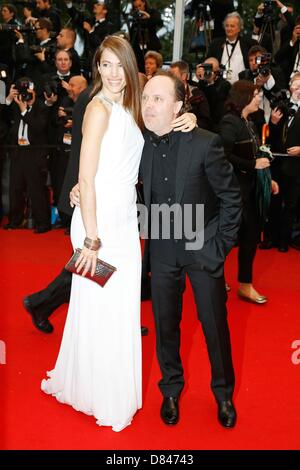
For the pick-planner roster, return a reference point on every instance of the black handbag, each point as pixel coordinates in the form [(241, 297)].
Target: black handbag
[(103, 270)]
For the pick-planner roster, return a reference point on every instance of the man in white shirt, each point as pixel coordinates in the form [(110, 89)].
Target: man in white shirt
[(232, 50)]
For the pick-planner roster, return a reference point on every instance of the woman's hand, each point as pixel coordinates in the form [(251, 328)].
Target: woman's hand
[(276, 115), (75, 196), (185, 123), (262, 163), (294, 151), (274, 187), (86, 261)]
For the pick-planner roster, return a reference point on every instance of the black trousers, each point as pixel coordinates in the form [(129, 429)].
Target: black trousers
[(54, 295), (210, 296), (247, 240), (291, 198), (58, 292), (28, 172)]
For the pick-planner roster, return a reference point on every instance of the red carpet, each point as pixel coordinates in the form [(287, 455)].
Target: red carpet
[(267, 382)]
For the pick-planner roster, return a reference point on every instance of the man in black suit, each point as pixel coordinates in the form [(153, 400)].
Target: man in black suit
[(285, 130), (28, 169), (288, 56), (232, 50), (183, 172)]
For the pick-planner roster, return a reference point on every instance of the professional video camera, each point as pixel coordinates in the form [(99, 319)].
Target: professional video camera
[(53, 86), (198, 8), (23, 28), (268, 12), (281, 101), (22, 86), (264, 61)]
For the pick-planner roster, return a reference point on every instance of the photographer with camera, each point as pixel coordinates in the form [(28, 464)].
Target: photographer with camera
[(28, 169), (63, 137), (36, 60), (94, 28), (195, 100), (265, 74), (45, 10), (288, 56), (232, 50), (143, 37), (7, 37), (215, 88), (284, 134)]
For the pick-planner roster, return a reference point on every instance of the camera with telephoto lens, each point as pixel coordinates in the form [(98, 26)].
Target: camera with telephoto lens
[(137, 15), (22, 86), (53, 85), (281, 101), (263, 62), (208, 70), (49, 50), (23, 28), (69, 114)]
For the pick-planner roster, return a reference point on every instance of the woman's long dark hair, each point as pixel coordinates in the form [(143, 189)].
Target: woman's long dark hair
[(240, 95), (132, 93)]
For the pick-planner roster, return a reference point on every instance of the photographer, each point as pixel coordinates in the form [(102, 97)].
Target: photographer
[(264, 74), (63, 127), (36, 60), (195, 101), (28, 170), (143, 38), (288, 56), (7, 38), (95, 28), (45, 10), (215, 88), (284, 133)]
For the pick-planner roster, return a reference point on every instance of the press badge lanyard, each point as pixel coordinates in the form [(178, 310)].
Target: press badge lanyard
[(231, 54), (22, 138)]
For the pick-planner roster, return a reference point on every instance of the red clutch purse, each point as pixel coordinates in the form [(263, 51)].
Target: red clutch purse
[(103, 270)]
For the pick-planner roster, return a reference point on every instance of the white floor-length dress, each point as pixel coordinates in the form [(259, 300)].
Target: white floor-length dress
[(98, 369)]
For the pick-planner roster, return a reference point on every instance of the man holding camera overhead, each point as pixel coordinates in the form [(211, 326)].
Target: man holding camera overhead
[(36, 60), (215, 87), (265, 74), (28, 170)]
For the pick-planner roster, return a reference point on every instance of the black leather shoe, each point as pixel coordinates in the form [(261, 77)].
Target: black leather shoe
[(42, 229), (169, 411), (42, 324), (283, 247), (226, 414), (144, 330), (12, 226)]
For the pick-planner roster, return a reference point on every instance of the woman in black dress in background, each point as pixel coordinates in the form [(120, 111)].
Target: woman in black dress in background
[(241, 146)]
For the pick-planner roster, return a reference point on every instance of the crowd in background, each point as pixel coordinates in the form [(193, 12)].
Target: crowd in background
[(42, 75)]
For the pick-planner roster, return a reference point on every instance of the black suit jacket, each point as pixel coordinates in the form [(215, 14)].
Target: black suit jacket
[(203, 176), (286, 57), (218, 44), (290, 166), (71, 176), (37, 120)]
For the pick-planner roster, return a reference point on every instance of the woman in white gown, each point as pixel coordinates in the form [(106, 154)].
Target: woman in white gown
[(98, 369)]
